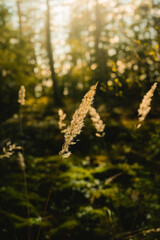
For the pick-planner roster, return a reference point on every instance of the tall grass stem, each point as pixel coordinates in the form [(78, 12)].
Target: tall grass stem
[(49, 195)]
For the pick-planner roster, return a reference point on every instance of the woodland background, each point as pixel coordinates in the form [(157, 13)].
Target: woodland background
[(109, 188)]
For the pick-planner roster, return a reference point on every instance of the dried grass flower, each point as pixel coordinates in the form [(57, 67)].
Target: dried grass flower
[(144, 107), (9, 149), (61, 123), (22, 94), (77, 121), (21, 161), (97, 122)]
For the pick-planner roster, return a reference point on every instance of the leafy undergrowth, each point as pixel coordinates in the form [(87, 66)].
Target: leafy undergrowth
[(92, 198)]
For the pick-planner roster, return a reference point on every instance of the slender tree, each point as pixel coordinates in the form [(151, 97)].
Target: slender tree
[(50, 56), (19, 18), (99, 53)]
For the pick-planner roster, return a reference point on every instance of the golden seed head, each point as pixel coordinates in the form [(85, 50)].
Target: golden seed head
[(62, 116), (144, 107), (9, 149), (21, 161), (77, 121), (97, 122), (22, 94)]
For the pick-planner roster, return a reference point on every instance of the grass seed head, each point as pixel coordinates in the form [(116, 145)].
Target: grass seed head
[(77, 121), (144, 107), (22, 94), (61, 123), (21, 161), (97, 122)]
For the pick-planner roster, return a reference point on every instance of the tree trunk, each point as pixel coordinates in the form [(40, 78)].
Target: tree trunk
[(100, 56), (19, 18), (56, 97)]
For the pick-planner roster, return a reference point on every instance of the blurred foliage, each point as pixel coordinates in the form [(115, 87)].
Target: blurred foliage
[(16, 66), (109, 187), (96, 196)]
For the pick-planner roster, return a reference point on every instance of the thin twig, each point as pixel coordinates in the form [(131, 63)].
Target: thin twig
[(27, 198), (133, 234), (20, 120), (49, 195)]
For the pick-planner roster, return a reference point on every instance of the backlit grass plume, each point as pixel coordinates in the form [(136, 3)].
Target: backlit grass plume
[(21, 161), (22, 94), (21, 101), (9, 150), (97, 122), (77, 122), (145, 107), (61, 123)]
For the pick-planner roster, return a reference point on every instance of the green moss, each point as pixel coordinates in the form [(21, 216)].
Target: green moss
[(70, 224)]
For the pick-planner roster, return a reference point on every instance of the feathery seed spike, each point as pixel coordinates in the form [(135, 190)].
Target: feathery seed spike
[(77, 121), (144, 107)]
